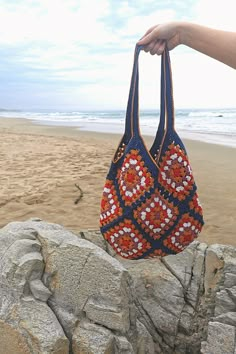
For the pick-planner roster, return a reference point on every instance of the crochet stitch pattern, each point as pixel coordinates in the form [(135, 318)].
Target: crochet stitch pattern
[(126, 240), (176, 174), (156, 215), (150, 206), (110, 205), (134, 178), (183, 234)]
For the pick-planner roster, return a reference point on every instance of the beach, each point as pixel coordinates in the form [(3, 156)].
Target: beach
[(41, 166)]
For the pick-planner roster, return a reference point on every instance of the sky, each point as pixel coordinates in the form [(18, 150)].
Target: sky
[(77, 54)]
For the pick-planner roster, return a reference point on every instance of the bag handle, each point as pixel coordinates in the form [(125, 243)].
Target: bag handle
[(169, 92), (161, 127), (167, 106), (133, 89)]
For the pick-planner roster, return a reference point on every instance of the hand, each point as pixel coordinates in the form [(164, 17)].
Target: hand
[(157, 37)]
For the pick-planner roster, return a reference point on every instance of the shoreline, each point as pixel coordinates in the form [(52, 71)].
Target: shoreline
[(101, 128), (41, 165)]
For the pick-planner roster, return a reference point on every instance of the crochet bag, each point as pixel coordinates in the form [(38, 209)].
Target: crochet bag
[(150, 206)]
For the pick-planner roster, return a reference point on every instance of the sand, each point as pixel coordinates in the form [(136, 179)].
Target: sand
[(40, 166)]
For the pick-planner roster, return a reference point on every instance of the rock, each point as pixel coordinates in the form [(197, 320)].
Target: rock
[(145, 343), (227, 318), (39, 290), (224, 302), (220, 339), (225, 297), (64, 293), (12, 341), (159, 298), (214, 269), (15, 254), (106, 292), (20, 263), (123, 346), (95, 237), (197, 279), (181, 264), (68, 320), (230, 280), (32, 323), (79, 278), (186, 319), (8, 237), (96, 284), (93, 339), (113, 317), (110, 250)]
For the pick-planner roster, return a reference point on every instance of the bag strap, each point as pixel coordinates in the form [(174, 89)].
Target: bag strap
[(167, 106), (133, 89), (169, 92), (161, 127)]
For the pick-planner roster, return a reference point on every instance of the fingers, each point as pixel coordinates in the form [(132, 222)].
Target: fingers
[(149, 47), (158, 48), (155, 47), (159, 36)]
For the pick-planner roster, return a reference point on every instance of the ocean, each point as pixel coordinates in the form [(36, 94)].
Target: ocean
[(209, 125)]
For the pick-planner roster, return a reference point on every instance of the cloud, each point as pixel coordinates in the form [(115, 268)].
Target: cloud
[(216, 13), (200, 81), (79, 52), (53, 21)]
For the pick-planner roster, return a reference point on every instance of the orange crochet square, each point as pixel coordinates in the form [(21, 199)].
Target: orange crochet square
[(110, 206), (126, 240), (156, 215), (183, 234), (175, 173), (133, 178)]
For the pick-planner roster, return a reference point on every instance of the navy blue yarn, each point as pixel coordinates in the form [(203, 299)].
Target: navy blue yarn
[(133, 140), (133, 93), (161, 127)]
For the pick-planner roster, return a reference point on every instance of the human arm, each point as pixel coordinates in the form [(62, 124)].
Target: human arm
[(218, 44)]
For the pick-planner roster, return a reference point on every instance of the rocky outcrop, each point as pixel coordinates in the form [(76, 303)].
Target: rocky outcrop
[(65, 293)]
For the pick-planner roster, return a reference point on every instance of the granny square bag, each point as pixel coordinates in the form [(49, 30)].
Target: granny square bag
[(150, 205)]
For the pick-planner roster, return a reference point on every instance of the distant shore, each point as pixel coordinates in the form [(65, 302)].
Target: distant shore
[(41, 164)]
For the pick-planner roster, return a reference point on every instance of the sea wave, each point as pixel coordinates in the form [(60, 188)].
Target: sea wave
[(220, 114), (219, 122)]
